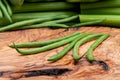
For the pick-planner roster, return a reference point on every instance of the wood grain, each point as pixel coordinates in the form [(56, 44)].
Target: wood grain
[(12, 63)]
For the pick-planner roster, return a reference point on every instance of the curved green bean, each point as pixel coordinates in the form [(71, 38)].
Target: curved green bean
[(65, 19), (82, 41), (5, 12), (27, 22), (68, 48), (42, 43), (42, 25), (47, 47), (9, 10), (94, 45), (88, 23)]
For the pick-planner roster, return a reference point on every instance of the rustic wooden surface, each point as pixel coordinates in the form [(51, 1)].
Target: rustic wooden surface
[(12, 63)]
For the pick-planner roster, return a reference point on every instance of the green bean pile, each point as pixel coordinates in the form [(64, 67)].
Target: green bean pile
[(74, 40), (19, 14)]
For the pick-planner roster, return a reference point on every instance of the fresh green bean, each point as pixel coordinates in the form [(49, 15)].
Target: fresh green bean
[(25, 16), (110, 20), (5, 12), (42, 25), (42, 43), (68, 48), (27, 22), (94, 45), (47, 47), (46, 6), (88, 23), (8, 7), (101, 4), (82, 41), (64, 20)]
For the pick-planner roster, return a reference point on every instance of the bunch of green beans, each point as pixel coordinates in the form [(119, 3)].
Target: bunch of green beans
[(75, 40), (6, 10)]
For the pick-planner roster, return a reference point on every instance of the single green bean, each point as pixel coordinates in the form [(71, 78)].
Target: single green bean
[(27, 22), (5, 12), (82, 41), (88, 23), (8, 7), (64, 20), (42, 43), (68, 48), (47, 47), (94, 45), (42, 25), (17, 3)]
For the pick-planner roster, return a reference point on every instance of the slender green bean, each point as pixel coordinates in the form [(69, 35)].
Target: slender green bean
[(5, 12), (42, 25), (110, 20), (68, 48), (25, 16), (88, 23), (8, 7), (82, 41), (64, 20), (27, 22), (42, 43), (47, 47), (94, 45)]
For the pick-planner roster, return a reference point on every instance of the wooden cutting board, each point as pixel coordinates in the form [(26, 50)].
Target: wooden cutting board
[(12, 64)]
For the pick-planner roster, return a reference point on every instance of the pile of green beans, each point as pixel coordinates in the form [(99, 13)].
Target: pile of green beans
[(74, 40), (16, 14)]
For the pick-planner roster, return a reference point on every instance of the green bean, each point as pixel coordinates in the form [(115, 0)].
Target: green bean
[(42, 25), (8, 7), (42, 43), (82, 41), (27, 22), (5, 12), (94, 45), (25, 16), (47, 47), (68, 48), (88, 23), (64, 20)]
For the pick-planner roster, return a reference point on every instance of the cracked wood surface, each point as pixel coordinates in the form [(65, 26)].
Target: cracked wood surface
[(13, 65)]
